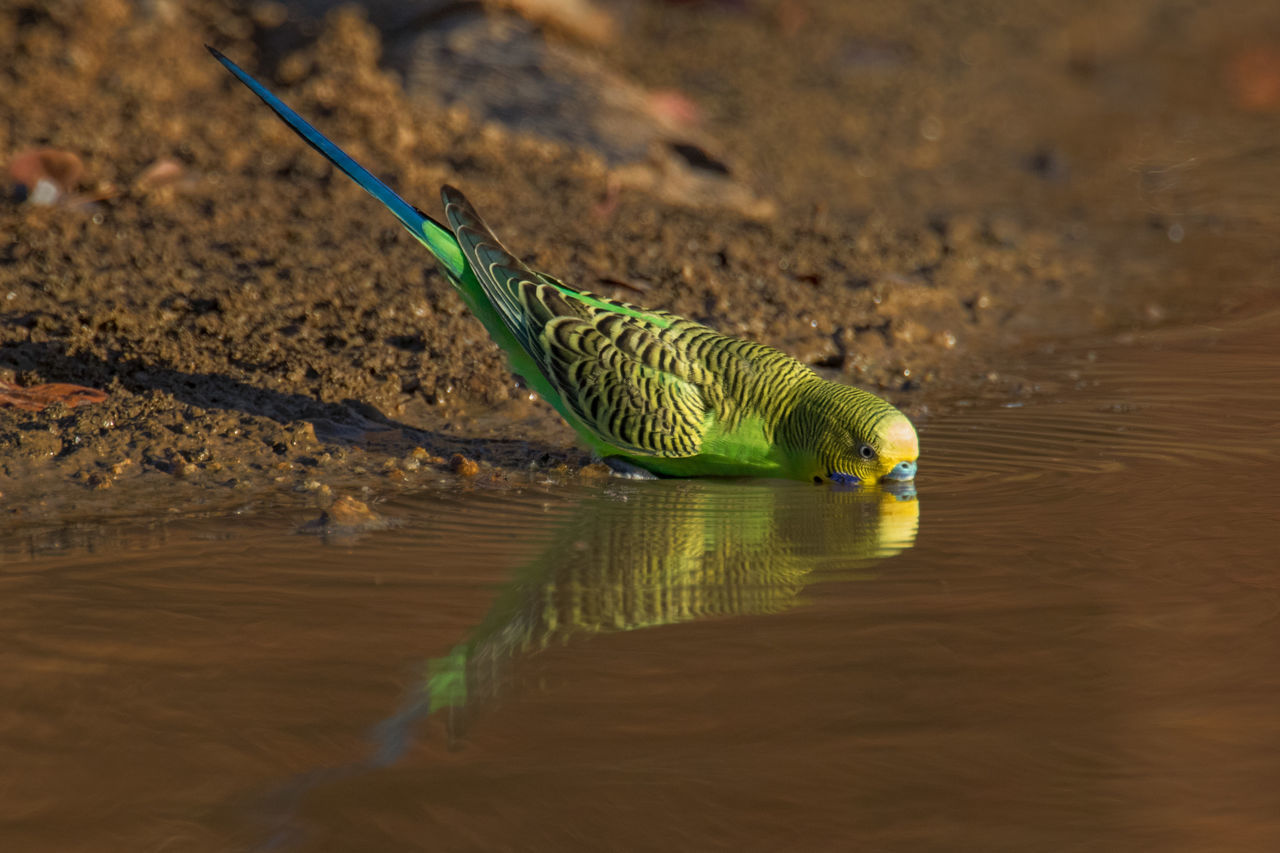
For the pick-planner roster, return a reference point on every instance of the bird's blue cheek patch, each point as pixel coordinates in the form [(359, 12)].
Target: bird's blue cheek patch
[(845, 480)]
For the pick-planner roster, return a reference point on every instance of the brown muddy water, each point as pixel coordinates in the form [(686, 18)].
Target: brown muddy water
[(1066, 640)]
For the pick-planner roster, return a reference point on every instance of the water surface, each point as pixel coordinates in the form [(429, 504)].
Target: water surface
[(1066, 640)]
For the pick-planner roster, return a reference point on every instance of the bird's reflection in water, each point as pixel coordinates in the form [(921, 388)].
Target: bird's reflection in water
[(646, 554)]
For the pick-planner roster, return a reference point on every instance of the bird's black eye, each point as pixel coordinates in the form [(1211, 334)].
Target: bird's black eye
[(866, 452)]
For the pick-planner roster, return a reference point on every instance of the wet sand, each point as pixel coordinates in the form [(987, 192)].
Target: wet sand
[(903, 199)]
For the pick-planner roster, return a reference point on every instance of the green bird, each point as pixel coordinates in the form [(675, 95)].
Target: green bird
[(652, 393)]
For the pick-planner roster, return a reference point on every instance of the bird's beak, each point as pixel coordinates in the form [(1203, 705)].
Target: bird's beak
[(902, 471)]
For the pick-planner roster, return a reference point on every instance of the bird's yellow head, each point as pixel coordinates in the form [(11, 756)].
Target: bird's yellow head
[(847, 435)]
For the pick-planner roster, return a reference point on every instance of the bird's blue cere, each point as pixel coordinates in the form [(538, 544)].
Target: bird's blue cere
[(902, 471)]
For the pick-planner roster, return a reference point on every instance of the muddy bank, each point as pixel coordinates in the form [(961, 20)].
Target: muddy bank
[(901, 198)]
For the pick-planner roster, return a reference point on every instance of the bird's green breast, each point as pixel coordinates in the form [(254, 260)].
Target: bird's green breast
[(745, 449)]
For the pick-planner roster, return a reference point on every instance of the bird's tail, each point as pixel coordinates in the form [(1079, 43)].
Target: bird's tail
[(438, 239)]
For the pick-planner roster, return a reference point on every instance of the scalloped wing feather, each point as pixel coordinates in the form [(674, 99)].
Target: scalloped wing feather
[(617, 367)]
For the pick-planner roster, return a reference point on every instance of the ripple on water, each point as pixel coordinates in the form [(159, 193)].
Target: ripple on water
[(1209, 406)]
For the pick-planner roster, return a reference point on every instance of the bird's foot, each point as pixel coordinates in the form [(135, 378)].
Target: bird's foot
[(627, 470)]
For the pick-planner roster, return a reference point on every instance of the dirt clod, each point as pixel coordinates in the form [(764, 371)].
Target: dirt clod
[(462, 466), (345, 516)]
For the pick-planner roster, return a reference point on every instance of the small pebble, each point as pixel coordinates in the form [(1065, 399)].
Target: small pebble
[(344, 516)]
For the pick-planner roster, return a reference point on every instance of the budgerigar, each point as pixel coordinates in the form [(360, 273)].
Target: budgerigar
[(651, 392)]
